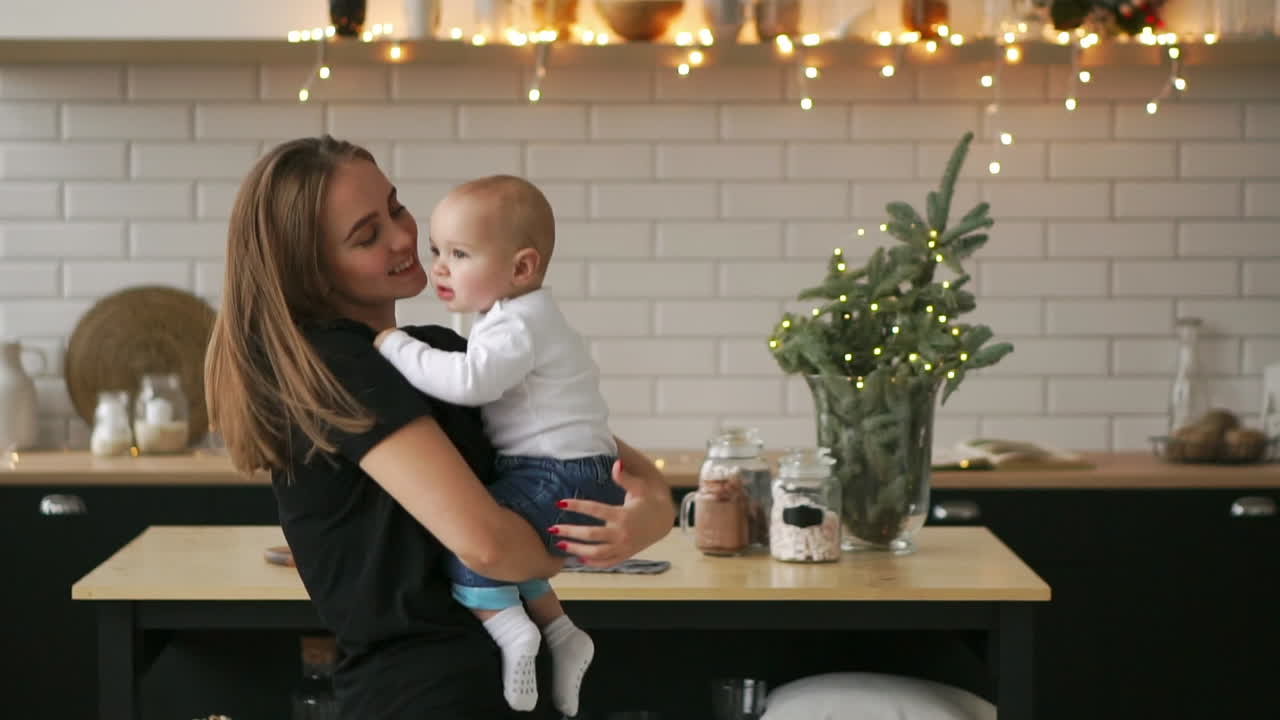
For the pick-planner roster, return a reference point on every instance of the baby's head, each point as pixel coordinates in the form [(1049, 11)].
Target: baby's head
[(491, 239)]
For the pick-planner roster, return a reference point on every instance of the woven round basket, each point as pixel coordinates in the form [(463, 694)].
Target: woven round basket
[(133, 333)]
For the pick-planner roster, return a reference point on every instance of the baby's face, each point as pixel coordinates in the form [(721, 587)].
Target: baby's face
[(472, 267)]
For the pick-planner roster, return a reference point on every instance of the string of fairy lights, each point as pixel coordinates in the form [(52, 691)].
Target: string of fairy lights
[(694, 47), (874, 307)]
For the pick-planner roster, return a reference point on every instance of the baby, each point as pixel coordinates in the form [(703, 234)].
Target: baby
[(539, 390)]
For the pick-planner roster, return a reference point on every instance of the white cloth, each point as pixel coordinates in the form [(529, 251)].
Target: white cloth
[(531, 373), (873, 696)]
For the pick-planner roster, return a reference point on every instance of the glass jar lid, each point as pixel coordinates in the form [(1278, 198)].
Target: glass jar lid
[(735, 442), (806, 464)]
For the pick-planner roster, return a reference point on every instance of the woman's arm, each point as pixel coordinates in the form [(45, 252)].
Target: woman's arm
[(419, 467), (644, 518)]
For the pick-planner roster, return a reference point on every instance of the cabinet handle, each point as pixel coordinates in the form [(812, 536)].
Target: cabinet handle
[(956, 511), (62, 505), (1253, 506)]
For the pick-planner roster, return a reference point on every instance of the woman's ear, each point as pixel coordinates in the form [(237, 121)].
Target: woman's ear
[(527, 266)]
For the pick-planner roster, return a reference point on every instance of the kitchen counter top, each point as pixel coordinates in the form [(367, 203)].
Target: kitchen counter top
[(1111, 471), (951, 564)]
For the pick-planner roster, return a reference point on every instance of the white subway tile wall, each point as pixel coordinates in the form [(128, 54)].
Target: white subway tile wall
[(692, 210)]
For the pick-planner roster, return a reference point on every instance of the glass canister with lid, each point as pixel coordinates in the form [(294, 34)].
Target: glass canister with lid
[(738, 453), (805, 519), (161, 415)]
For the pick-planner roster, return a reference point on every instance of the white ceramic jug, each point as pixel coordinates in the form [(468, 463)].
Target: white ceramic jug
[(17, 398)]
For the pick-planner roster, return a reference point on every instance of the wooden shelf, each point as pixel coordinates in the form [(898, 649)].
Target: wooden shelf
[(1242, 52)]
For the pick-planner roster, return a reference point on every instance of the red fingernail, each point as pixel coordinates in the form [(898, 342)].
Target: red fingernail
[(562, 504), (553, 530), (562, 545)]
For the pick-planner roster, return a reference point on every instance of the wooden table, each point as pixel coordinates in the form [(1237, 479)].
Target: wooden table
[(184, 578)]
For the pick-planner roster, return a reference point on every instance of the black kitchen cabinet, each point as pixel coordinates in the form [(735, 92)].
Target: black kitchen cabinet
[(1160, 597), (1164, 601), (52, 536)]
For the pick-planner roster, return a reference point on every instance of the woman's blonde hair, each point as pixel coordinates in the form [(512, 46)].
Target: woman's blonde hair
[(261, 377)]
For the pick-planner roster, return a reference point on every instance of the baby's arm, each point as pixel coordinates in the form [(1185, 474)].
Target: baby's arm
[(497, 359)]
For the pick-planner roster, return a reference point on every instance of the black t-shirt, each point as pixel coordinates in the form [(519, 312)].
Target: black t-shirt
[(374, 574)]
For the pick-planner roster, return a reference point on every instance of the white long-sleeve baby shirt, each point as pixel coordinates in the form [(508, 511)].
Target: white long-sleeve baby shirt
[(528, 370)]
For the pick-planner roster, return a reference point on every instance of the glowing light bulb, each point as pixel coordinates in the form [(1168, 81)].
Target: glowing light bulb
[(1210, 38), (1174, 53), (1006, 139), (943, 31), (810, 39), (994, 167), (696, 57), (1012, 55), (848, 357), (455, 33), (303, 95), (786, 323), (478, 40), (957, 40), (885, 38), (784, 44), (931, 46), (705, 37), (811, 72), (534, 95), (887, 71), (806, 103), (987, 81), (1180, 83), (682, 69), (1152, 107), (1070, 103), (324, 72), (684, 38), (1085, 76), (395, 53), (773, 343), (295, 36)]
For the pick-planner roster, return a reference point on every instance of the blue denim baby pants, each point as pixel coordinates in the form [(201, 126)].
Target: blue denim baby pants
[(530, 487)]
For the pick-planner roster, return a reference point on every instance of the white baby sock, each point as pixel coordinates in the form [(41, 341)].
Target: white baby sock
[(571, 654), (517, 637)]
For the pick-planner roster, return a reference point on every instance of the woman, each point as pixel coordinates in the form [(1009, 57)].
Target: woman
[(375, 482)]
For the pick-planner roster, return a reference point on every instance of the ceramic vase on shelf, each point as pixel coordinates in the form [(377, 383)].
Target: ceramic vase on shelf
[(881, 441), (347, 16), (18, 407), (422, 17), (924, 16)]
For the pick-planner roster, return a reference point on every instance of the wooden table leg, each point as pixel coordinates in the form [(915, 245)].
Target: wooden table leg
[(1014, 659), (118, 647)]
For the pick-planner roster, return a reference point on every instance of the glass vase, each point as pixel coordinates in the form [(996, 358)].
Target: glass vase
[(881, 435)]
